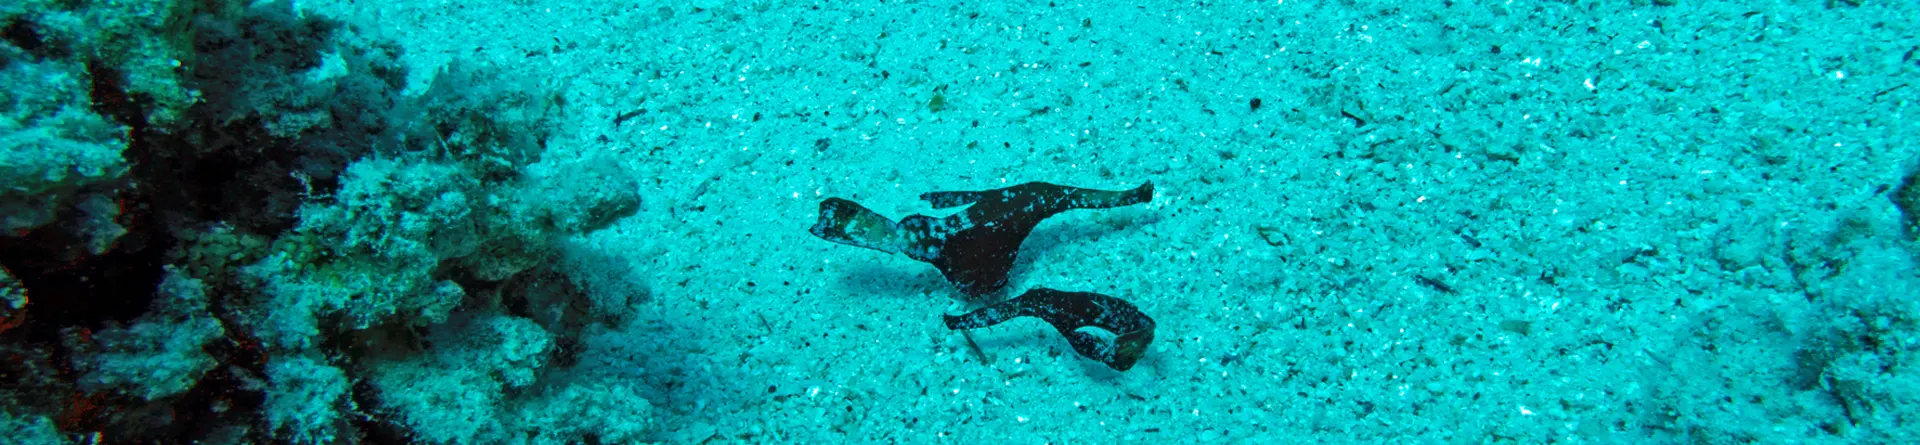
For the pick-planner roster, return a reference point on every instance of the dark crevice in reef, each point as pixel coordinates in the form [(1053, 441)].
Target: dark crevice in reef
[(219, 181), (83, 290), (1906, 197), (373, 429), (73, 287)]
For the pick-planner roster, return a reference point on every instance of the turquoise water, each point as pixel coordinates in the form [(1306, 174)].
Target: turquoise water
[(1372, 222)]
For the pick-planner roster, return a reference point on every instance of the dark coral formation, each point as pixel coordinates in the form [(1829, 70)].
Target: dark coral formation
[(222, 221)]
